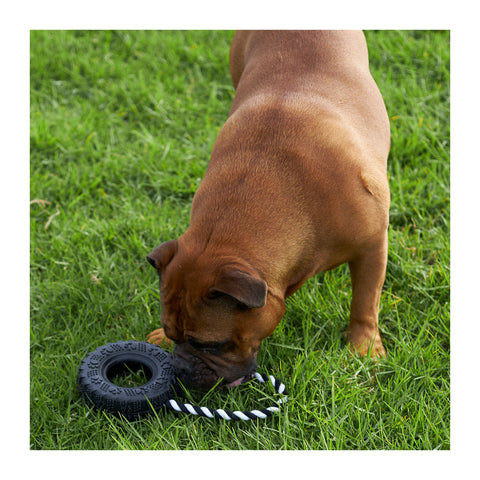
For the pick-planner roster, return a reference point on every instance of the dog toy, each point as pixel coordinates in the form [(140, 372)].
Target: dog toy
[(100, 367)]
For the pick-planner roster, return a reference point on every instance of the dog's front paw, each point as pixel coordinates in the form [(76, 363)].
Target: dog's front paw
[(159, 338), (365, 342)]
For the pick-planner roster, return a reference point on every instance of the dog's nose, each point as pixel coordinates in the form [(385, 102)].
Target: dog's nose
[(183, 368), (191, 370)]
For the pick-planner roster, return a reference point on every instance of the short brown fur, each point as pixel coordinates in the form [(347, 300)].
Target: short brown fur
[(296, 185)]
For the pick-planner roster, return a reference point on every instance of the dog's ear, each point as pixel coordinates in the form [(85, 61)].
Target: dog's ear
[(161, 256), (247, 289)]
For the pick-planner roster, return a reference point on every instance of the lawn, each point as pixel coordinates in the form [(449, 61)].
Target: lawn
[(122, 126)]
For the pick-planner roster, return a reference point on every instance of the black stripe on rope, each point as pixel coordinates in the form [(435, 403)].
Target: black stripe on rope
[(237, 415)]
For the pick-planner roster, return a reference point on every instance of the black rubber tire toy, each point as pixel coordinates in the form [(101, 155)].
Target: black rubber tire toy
[(100, 367)]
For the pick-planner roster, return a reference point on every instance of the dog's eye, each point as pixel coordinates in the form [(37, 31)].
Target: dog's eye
[(196, 345), (211, 347)]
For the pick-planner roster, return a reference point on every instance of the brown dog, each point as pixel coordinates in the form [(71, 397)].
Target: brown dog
[(296, 185)]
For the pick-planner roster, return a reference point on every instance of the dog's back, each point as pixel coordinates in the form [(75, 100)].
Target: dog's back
[(299, 150)]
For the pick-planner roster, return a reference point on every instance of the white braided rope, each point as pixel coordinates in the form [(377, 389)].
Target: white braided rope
[(236, 415)]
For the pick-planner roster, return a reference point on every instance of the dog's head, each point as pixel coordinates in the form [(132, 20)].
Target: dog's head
[(217, 310)]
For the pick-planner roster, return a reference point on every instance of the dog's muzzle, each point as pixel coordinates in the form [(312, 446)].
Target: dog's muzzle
[(202, 373)]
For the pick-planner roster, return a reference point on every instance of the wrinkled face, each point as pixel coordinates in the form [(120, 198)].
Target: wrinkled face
[(217, 312)]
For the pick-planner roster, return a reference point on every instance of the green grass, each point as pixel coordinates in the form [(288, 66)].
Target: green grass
[(122, 126)]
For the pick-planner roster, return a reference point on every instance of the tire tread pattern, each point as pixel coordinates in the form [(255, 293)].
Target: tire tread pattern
[(99, 391)]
